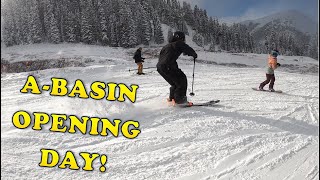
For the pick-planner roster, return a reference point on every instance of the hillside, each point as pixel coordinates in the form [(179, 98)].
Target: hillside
[(292, 18), (291, 32)]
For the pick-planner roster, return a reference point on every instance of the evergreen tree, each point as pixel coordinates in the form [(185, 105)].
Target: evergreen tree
[(10, 31), (51, 23), (145, 32), (71, 24), (87, 35), (198, 39), (22, 21), (104, 21), (188, 14), (169, 35), (159, 39), (128, 35)]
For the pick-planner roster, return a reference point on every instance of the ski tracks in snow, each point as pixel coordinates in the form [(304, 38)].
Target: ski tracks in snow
[(248, 135)]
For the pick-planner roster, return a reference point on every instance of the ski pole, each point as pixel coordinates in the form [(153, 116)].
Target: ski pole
[(142, 68), (194, 65)]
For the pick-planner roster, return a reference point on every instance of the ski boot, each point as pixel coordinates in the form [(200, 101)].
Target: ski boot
[(183, 103)]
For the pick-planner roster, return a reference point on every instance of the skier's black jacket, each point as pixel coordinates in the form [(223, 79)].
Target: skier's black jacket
[(171, 52), (137, 56)]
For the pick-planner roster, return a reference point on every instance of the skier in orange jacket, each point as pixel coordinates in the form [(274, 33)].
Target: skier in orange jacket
[(272, 65)]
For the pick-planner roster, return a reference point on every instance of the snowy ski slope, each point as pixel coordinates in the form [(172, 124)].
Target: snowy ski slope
[(248, 135)]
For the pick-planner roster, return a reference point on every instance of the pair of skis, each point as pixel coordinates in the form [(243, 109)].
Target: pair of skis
[(213, 102), (209, 103)]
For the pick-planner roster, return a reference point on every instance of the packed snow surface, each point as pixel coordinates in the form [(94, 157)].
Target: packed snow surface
[(248, 135)]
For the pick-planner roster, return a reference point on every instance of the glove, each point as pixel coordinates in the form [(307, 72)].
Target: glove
[(143, 58), (195, 56), (278, 64)]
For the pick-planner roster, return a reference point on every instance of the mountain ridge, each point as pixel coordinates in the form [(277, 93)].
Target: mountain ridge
[(293, 18)]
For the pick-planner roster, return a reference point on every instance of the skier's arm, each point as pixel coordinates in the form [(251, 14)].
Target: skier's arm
[(186, 49)]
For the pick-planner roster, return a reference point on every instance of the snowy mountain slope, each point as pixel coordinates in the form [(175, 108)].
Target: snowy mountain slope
[(291, 18), (249, 135)]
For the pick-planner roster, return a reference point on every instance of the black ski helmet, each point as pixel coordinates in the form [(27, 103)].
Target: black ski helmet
[(275, 53), (178, 35)]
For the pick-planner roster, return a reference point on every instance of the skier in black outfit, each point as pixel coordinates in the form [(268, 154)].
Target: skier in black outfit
[(139, 60), (169, 70)]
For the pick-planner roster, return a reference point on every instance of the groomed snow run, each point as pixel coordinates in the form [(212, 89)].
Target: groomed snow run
[(249, 135)]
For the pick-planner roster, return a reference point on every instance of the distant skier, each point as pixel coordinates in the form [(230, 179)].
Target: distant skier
[(168, 68), (139, 60), (272, 65)]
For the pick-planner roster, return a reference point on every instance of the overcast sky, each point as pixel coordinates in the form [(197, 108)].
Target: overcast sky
[(249, 9)]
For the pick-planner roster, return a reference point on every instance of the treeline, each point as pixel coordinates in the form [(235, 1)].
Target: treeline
[(124, 23)]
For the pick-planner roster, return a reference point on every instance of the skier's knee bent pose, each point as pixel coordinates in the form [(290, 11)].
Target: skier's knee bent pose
[(169, 70), (272, 65)]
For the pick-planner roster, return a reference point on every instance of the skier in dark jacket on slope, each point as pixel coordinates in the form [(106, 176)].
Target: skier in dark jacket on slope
[(169, 70), (139, 60)]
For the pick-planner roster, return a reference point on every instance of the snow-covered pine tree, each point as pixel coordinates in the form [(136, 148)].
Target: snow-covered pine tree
[(251, 43), (128, 35), (178, 17), (9, 30), (114, 40), (198, 39), (51, 23), (104, 13), (22, 21), (163, 11), (94, 11), (158, 35), (203, 23), (314, 47), (145, 31), (169, 14), (210, 30), (156, 30), (60, 15), (114, 23), (133, 35), (177, 21), (72, 22), (188, 14), (35, 33), (224, 40), (87, 35), (169, 35), (197, 16)]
